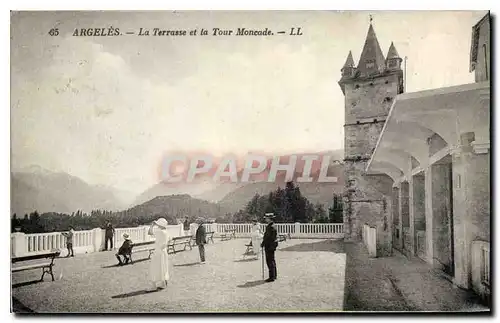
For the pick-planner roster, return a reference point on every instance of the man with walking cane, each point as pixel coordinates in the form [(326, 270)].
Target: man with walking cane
[(270, 243)]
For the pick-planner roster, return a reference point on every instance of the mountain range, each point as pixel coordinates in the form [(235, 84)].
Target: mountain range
[(38, 189)]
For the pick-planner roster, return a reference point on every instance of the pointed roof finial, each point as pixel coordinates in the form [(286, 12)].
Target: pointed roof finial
[(371, 19), (372, 59)]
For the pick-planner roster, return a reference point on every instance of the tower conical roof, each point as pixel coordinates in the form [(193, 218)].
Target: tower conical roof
[(349, 61), (371, 54), (393, 53)]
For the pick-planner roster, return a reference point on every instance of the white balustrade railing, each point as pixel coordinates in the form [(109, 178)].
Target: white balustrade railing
[(297, 230), (83, 241), (480, 265), (94, 240)]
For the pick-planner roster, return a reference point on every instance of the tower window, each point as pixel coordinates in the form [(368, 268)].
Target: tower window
[(371, 83), (387, 99), (386, 82), (357, 86)]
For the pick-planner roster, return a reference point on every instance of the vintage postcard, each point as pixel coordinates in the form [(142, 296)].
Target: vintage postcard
[(250, 161)]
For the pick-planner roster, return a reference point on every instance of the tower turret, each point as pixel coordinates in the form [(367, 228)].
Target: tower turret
[(393, 61), (348, 68)]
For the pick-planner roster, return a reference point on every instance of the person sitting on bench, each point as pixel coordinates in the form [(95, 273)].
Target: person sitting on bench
[(124, 251)]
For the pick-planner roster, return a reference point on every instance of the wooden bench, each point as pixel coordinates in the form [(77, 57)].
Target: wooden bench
[(249, 251), (228, 234), (209, 236), (141, 247), (46, 266), (283, 237), (185, 240)]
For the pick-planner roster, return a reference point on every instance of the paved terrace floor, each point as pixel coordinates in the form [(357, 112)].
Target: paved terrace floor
[(311, 275)]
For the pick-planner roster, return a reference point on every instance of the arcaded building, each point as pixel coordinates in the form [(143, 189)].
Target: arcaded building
[(418, 164)]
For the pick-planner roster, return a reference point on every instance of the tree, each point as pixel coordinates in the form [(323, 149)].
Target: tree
[(335, 212), (320, 214)]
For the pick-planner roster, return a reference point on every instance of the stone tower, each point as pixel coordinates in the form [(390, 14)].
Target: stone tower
[(369, 89)]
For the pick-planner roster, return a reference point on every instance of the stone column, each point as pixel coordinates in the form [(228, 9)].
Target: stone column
[(396, 218), (405, 216), (442, 221), (418, 210), (429, 243), (471, 204)]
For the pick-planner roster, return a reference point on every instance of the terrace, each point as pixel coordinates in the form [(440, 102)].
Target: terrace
[(321, 273), (310, 278)]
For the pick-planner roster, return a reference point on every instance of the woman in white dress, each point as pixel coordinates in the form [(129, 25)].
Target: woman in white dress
[(256, 237), (159, 270)]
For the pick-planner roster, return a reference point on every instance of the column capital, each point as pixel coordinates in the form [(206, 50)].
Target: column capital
[(481, 147), (484, 95)]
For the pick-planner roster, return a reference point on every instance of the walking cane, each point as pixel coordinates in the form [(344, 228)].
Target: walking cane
[(262, 253)]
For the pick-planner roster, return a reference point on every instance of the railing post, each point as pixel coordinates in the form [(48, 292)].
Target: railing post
[(98, 239), (18, 244), (193, 227), (297, 228), (146, 235)]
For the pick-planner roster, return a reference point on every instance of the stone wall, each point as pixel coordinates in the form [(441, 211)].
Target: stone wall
[(370, 98), (483, 67)]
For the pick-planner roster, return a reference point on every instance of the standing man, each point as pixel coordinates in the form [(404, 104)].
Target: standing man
[(270, 243), (186, 226), (110, 231), (200, 239), (69, 241)]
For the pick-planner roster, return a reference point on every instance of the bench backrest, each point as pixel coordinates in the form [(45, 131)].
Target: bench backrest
[(44, 255), (181, 238), (144, 243)]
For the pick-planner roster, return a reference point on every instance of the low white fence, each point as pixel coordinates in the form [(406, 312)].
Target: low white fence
[(295, 230), (369, 236), (94, 240), (83, 241), (481, 268)]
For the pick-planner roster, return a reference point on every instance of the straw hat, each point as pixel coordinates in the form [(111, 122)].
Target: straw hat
[(269, 216), (162, 222), (125, 235)]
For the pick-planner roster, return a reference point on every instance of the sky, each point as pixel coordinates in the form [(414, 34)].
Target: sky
[(107, 109)]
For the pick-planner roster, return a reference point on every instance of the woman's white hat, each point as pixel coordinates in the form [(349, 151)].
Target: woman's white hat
[(162, 222), (125, 235)]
